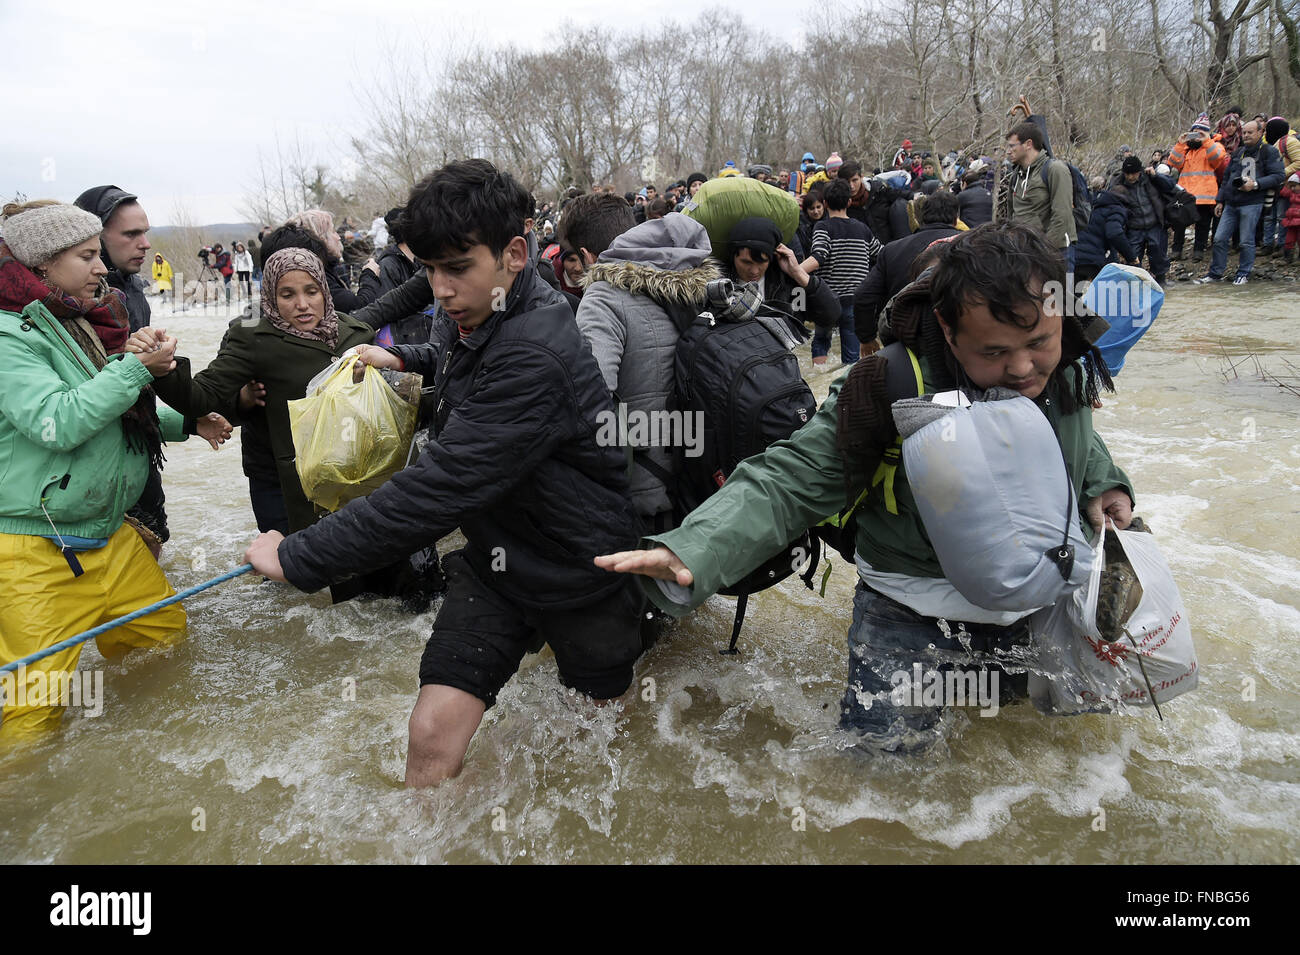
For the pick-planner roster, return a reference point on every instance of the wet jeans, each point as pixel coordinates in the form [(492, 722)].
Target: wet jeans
[(1152, 241), (849, 345), (886, 643), (1274, 230), (1247, 217)]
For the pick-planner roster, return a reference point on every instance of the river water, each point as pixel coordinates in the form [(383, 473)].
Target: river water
[(276, 731)]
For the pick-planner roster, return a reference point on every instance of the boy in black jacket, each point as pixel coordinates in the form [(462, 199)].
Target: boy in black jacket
[(513, 461)]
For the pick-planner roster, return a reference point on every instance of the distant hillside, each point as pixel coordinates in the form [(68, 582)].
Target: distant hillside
[(218, 231)]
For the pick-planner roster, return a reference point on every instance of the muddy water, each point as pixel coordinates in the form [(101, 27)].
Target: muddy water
[(242, 744)]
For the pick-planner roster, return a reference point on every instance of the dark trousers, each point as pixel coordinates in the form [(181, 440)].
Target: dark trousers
[(1152, 242), (1201, 237), (268, 506)]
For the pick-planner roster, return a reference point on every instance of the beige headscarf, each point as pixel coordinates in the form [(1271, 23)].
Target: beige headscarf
[(289, 260)]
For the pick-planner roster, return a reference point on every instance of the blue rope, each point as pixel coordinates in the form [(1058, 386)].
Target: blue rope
[(82, 637)]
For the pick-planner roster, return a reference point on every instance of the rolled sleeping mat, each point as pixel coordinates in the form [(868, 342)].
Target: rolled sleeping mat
[(720, 203), (993, 493)]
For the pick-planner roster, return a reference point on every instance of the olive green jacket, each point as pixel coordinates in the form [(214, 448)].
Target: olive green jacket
[(795, 483)]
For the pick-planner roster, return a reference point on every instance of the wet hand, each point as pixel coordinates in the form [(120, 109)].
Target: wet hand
[(146, 339), (214, 429), (376, 356), (658, 562), (160, 357), (252, 395), (264, 555), (1114, 506)]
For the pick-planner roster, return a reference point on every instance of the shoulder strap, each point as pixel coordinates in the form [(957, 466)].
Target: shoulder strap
[(902, 380)]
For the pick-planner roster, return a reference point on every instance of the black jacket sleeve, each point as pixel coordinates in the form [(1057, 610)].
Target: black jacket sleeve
[(522, 409), (867, 302), (823, 306), (410, 297)]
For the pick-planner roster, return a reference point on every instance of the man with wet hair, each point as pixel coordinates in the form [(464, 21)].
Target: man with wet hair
[(978, 319)]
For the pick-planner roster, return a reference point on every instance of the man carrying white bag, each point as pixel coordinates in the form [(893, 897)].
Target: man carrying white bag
[(965, 461)]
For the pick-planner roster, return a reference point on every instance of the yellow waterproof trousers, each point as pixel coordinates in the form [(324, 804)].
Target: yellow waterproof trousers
[(42, 603)]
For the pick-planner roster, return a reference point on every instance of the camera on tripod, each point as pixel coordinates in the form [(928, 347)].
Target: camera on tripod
[(204, 253)]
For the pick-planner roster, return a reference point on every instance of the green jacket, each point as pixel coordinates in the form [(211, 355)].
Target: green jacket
[(1045, 205), (773, 497), (61, 437), (284, 363)]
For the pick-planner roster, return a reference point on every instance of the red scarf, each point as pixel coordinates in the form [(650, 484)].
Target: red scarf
[(20, 286)]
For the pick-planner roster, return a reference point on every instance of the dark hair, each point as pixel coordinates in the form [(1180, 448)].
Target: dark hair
[(811, 196), (593, 222), (838, 194), (999, 265), (941, 206), (849, 168), (292, 237), (464, 204), (393, 222), (1027, 132), (659, 207)]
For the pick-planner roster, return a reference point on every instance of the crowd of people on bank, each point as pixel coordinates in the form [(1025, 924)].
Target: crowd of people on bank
[(529, 324)]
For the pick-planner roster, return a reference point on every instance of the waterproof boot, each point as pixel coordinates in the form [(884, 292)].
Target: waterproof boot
[(1198, 256), (1119, 591), (1264, 251), (1288, 256), (1177, 256)]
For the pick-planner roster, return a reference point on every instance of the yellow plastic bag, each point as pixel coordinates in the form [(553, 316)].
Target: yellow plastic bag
[(349, 437)]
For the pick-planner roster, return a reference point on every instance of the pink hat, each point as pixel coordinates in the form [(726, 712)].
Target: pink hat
[(834, 162)]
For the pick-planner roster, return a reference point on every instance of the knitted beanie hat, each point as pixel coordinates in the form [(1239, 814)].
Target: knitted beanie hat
[(1202, 123), (37, 235), (834, 162)]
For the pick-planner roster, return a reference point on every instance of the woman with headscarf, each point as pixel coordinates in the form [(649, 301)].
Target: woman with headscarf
[(77, 434), (296, 334)]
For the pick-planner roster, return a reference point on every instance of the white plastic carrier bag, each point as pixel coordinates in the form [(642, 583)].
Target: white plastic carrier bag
[(1153, 662)]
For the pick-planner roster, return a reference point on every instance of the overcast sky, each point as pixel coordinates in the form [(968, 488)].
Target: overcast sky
[(172, 101)]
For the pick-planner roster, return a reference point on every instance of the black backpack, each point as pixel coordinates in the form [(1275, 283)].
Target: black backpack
[(1180, 209), (746, 385), (1080, 199)]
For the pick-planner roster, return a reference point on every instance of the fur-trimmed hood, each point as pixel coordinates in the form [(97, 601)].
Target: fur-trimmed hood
[(684, 287), (664, 259)]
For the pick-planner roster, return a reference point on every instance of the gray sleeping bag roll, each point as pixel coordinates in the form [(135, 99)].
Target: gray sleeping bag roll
[(992, 490)]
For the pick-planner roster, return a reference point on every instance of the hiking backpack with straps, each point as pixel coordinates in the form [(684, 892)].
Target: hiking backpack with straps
[(902, 380), (734, 367), (1080, 201)]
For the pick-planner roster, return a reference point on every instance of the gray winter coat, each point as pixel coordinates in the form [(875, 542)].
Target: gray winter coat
[(642, 290)]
